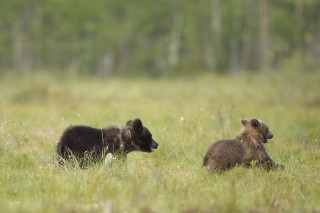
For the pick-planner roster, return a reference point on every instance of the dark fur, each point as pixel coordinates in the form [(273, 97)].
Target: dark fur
[(246, 149), (84, 142)]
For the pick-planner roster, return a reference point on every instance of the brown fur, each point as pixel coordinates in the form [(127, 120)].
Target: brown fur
[(82, 142), (246, 149)]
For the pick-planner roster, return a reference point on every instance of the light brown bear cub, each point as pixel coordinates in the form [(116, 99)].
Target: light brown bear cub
[(246, 149)]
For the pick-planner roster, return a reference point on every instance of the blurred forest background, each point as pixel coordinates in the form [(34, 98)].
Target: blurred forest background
[(158, 38)]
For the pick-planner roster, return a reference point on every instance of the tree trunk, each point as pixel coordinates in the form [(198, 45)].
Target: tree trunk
[(264, 34), (246, 41), (216, 34), (298, 12), (216, 21), (174, 45), (106, 64), (234, 56), (21, 61), (123, 57)]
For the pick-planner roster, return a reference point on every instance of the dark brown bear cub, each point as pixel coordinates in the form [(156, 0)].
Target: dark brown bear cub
[(246, 149), (83, 142)]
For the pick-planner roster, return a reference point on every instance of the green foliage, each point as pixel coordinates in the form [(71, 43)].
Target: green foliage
[(108, 37), (185, 115)]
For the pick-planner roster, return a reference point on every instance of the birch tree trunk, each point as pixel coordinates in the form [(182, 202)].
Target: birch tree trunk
[(20, 54), (216, 34), (298, 12), (246, 41), (106, 65), (263, 34), (174, 45)]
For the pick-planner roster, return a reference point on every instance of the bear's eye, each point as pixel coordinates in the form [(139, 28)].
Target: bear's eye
[(267, 130), (147, 137)]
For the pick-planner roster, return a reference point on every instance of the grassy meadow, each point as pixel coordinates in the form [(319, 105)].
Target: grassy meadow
[(185, 115)]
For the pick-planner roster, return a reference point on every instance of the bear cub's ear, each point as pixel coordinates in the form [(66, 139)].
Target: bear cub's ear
[(129, 122), (137, 125), (254, 123), (244, 121)]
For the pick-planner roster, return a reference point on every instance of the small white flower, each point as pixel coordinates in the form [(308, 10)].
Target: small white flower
[(107, 163), (108, 160), (181, 118)]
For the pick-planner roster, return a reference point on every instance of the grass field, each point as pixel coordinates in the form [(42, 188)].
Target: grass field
[(185, 115)]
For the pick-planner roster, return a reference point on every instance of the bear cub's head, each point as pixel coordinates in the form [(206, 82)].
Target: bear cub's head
[(141, 137), (256, 129)]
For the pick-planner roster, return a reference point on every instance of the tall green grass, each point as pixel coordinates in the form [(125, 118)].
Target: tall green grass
[(185, 115)]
